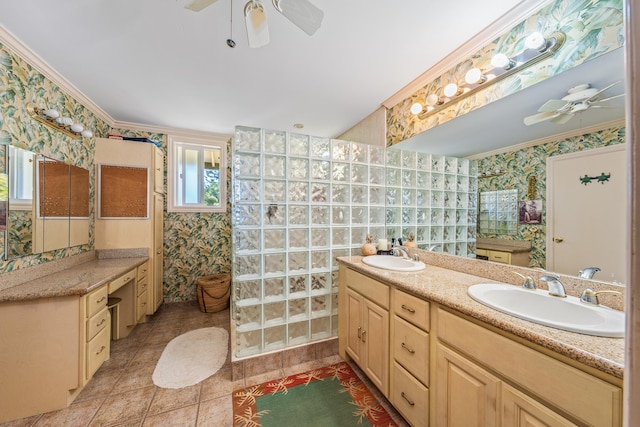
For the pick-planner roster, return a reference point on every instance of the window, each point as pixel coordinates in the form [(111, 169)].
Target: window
[(197, 174)]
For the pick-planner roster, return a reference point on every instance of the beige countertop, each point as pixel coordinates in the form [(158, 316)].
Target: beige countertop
[(77, 280), (449, 288)]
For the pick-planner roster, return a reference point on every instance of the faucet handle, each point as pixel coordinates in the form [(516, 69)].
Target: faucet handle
[(590, 296), (528, 283)]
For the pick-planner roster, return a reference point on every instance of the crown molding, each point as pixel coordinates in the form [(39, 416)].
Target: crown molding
[(171, 131), (22, 50), (552, 138), (521, 11)]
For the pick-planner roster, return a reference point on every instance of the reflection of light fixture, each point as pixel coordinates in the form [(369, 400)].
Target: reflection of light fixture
[(475, 76), (452, 90), (256, 23), (503, 66), (51, 118), (501, 60)]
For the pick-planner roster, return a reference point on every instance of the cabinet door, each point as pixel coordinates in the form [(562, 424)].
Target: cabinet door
[(519, 410), (466, 395), (375, 338), (158, 247), (354, 326)]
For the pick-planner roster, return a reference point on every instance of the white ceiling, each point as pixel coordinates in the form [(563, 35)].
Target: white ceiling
[(152, 62)]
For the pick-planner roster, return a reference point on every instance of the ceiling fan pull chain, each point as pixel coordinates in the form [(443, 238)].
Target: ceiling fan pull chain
[(230, 42)]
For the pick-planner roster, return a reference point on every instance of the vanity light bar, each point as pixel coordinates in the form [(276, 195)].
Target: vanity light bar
[(51, 118), (537, 49)]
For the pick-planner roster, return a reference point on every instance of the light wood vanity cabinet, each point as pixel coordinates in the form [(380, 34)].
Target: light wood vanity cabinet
[(367, 325), (445, 369), (410, 355), (97, 332), (515, 258), (142, 282), (486, 379)]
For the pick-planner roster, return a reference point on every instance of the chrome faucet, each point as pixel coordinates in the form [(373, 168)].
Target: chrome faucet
[(587, 273), (528, 281), (398, 251), (556, 288), (591, 297)]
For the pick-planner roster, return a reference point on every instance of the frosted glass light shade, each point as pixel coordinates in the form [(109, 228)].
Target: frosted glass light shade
[(433, 99), (502, 61), (451, 90), (535, 41), (416, 108), (256, 22), (474, 75)]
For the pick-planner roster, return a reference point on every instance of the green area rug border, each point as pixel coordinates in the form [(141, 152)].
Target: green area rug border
[(329, 396)]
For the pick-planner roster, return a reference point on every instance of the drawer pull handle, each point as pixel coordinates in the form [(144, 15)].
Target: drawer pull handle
[(409, 349), (101, 300), (409, 309), (404, 396), (101, 350), (101, 322), (360, 333), (364, 336)]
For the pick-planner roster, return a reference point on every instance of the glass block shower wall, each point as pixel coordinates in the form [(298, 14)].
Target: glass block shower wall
[(435, 198), (300, 201)]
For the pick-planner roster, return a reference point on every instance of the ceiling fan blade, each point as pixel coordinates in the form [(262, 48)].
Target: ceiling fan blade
[(540, 117), (198, 5), (302, 13), (562, 118), (609, 98), (552, 105), (256, 22), (595, 95)]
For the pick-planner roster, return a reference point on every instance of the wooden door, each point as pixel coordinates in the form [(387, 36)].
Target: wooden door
[(376, 343), (519, 410), (354, 326), (587, 221), (466, 395)]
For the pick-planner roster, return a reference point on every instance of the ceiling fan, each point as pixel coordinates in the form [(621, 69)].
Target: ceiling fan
[(579, 98), (302, 13)]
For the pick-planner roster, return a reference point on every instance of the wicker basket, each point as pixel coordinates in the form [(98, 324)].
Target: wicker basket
[(213, 292)]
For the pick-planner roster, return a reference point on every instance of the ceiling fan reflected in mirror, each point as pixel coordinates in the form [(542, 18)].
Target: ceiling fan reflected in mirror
[(302, 13), (579, 98)]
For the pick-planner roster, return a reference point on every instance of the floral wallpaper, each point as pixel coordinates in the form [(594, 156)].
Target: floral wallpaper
[(521, 164), (21, 84), (592, 28)]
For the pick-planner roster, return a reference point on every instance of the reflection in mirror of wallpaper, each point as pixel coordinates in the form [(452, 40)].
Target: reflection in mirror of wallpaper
[(531, 161)]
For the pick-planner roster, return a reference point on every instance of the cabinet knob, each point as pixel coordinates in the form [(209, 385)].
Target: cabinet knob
[(364, 336), (101, 322), (409, 309), (360, 333), (101, 350), (101, 300), (558, 239), (409, 349)]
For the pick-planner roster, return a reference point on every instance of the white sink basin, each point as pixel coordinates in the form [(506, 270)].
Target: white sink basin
[(538, 306), (393, 263)]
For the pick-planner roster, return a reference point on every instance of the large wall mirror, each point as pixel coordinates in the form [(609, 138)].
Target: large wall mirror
[(46, 206), (497, 138)]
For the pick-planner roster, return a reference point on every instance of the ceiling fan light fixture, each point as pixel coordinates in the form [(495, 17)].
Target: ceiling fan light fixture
[(256, 22), (302, 13)]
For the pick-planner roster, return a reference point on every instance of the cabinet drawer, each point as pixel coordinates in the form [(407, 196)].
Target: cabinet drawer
[(142, 271), (368, 287), (141, 305), (97, 322), (411, 308), (497, 256), (96, 301), (97, 351), (411, 349), (589, 399), (410, 397), (482, 252), (116, 284), (141, 285)]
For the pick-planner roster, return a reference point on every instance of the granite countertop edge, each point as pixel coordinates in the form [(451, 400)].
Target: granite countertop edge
[(604, 354), (75, 281)]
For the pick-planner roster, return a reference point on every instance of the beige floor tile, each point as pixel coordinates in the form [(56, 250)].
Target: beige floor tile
[(219, 384), (182, 417), (216, 413), (124, 407), (100, 385), (22, 422), (162, 336), (134, 378), (148, 355), (77, 415), (167, 399), (259, 379)]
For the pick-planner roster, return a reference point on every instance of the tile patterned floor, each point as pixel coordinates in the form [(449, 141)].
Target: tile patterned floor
[(122, 393)]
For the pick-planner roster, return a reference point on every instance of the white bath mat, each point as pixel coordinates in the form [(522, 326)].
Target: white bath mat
[(191, 358)]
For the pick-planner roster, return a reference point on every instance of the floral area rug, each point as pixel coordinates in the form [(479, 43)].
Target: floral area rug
[(332, 396)]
